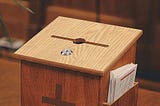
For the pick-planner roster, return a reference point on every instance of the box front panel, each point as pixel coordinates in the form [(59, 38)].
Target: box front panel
[(49, 86)]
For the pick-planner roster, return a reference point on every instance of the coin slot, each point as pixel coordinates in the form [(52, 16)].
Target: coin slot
[(79, 41)]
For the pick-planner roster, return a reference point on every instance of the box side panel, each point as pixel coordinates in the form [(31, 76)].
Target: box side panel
[(48, 86), (128, 57)]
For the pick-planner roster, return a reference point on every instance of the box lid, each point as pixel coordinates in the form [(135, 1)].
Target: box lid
[(99, 47)]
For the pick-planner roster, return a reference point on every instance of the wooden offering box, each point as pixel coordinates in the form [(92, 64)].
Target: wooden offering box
[(68, 63)]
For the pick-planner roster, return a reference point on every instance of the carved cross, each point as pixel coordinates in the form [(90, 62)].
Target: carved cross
[(58, 100)]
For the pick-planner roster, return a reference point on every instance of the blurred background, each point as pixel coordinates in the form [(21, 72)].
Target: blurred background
[(141, 14)]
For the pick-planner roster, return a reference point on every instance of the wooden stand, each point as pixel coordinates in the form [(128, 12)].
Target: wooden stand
[(81, 76)]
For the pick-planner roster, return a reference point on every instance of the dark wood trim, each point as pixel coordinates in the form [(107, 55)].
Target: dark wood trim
[(37, 20)]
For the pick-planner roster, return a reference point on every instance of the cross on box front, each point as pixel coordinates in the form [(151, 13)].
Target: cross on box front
[(68, 63)]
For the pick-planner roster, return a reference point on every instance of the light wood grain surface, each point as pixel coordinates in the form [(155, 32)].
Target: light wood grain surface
[(86, 57)]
